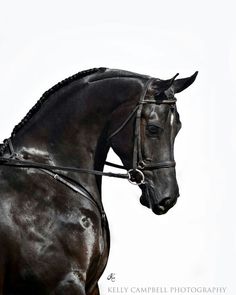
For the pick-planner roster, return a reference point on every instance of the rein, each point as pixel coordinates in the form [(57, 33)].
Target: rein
[(14, 161)]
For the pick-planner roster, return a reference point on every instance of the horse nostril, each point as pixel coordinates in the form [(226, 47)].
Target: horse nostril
[(165, 202), (163, 206), (157, 209), (160, 208)]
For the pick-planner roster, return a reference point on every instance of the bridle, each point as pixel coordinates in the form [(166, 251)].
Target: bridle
[(135, 175)]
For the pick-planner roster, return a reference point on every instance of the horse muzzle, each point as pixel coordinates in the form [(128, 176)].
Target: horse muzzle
[(158, 204)]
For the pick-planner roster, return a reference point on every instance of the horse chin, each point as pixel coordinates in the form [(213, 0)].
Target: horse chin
[(144, 201)]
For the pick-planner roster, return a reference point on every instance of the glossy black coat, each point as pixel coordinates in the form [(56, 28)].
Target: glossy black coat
[(53, 240)]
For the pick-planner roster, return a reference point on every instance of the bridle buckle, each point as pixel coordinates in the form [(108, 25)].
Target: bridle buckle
[(136, 176), (141, 165)]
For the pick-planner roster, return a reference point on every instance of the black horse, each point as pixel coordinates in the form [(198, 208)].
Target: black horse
[(54, 235)]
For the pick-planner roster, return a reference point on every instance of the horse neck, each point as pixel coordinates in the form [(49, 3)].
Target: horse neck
[(70, 130)]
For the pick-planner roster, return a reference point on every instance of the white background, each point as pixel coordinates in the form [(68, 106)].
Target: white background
[(43, 42)]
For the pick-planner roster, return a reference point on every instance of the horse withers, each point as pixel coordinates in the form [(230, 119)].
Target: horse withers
[(54, 235)]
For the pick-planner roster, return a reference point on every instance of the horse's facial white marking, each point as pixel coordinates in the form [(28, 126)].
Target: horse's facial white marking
[(171, 118), (153, 114)]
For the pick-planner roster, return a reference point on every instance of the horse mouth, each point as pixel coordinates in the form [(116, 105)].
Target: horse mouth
[(149, 200)]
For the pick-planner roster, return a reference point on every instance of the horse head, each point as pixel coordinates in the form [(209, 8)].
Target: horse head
[(145, 142)]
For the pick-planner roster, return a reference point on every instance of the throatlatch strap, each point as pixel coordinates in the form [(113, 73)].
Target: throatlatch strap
[(137, 153)]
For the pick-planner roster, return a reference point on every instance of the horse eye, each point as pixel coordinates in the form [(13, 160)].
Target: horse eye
[(153, 129)]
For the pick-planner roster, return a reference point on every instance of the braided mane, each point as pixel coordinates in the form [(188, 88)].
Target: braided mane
[(46, 94), (44, 97)]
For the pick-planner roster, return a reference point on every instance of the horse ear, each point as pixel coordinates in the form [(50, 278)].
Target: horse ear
[(181, 84), (162, 85)]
